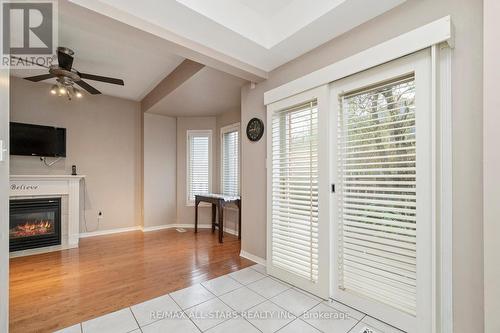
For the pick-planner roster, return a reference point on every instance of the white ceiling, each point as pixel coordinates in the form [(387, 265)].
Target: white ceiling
[(208, 93), (266, 23), (143, 41), (261, 33), (265, 7), (106, 47)]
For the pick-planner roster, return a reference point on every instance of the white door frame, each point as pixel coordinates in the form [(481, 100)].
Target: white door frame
[(4, 200), (420, 65), (322, 287), (4, 193), (437, 35)]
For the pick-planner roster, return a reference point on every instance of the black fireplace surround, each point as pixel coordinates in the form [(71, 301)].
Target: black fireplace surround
[(34, 223)]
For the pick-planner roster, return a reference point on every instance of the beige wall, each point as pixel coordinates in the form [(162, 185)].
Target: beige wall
[(160, 170), (491, 166), (185, 214), (225, 119), (4, 201), (467, 129), (103, 140), (165, 160)]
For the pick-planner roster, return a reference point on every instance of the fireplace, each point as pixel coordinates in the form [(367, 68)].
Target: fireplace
[(34, 223)]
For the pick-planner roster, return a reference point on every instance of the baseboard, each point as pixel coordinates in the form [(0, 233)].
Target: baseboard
[(186, 226), (253, 258), (156, 227), (209, 226), (152, 228), (231, 231), (108, 232), (173, 226), (191, 226), (206, 226)]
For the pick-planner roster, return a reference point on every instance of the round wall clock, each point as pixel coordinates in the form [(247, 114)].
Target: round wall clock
[(255, 129)]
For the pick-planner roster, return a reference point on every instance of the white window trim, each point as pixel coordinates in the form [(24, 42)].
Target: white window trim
[(443, 139), (438, 36), (224, 130), (190, 203)]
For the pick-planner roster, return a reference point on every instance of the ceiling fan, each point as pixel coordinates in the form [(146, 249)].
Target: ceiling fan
[(66, 76)]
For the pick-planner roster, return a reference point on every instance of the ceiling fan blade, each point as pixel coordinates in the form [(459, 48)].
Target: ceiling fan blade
[(88, 87), (101, 78), (65, 58), (28, 61), (39, 78)]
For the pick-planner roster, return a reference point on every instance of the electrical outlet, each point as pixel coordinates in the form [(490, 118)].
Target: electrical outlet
[(100, 215)]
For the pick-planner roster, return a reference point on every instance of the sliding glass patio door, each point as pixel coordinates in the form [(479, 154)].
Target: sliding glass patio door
[(298, 197), (350, 192), (381, 209)]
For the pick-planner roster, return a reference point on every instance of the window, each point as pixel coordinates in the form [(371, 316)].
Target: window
[(230, 164), (199, 163), (377, 201), (294, 167), (382, 216)]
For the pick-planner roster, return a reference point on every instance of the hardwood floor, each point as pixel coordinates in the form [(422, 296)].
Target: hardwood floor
[(55, 290)]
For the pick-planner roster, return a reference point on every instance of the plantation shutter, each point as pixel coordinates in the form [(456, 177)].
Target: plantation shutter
[(230, 163), (198, 164), (294, 228), (377, 194)]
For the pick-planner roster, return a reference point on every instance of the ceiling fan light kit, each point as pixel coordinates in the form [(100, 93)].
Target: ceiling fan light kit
[(66, 90), (66, 76)]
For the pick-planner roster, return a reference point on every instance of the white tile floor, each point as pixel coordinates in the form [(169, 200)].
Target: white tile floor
[(245, 301)]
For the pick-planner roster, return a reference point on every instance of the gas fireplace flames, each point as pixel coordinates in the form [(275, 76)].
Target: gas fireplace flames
[(32, 228)]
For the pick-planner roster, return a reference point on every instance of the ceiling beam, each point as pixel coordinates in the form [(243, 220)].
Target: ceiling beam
[(172, 81), (181, 46)]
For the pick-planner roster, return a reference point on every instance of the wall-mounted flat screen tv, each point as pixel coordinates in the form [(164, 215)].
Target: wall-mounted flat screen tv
[(37, 140)]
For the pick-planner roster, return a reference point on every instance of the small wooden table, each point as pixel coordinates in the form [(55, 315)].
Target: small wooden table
[(218, 201)]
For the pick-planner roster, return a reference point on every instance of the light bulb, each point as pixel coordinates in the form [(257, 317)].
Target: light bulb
[(78, 93), (53, 90), (62, 90)]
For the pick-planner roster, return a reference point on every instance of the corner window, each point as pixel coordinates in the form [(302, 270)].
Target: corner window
[(230, 164), (199, 163)]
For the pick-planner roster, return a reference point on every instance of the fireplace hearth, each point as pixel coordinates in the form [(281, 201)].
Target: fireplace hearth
[(34, 223)]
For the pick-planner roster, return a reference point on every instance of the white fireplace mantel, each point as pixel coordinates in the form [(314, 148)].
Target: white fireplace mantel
[(53, 185)]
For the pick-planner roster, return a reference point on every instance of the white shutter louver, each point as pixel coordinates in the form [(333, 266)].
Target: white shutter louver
[(377, 194), (230, 163), (295, 190), (198, 164)]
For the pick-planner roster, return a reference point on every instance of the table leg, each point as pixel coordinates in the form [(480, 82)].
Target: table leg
[(196, 203), (221, 221), (214, 212)]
